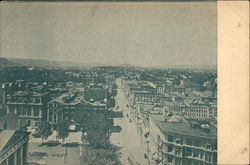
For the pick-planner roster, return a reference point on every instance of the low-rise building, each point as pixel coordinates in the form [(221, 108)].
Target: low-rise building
[(196, 110), (64, 106), (31, 107)]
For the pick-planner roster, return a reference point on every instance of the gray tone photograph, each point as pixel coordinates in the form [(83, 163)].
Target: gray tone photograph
[(108, 83)]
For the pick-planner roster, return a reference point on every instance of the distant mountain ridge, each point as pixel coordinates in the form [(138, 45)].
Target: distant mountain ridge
[(67, 64), (44, 63)]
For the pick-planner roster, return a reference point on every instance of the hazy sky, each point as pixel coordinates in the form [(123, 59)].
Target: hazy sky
[(145, 34)]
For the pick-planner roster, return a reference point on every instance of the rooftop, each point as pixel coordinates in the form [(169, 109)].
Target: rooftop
[(69, 99), (22, 93), (174, 126), (27, 98)]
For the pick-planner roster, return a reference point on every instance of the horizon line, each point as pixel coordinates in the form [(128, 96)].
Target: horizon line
[(198, 66)]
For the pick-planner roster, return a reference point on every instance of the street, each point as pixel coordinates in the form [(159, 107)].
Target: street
[(128, 139)]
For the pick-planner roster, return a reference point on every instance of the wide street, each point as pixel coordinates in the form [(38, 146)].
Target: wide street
[(128, 139)]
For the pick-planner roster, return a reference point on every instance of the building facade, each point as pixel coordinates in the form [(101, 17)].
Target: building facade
[(66, 105), (181, 142), (13, 147), (31, 107)]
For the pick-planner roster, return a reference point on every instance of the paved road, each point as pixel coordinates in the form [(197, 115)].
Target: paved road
[(128, 138)]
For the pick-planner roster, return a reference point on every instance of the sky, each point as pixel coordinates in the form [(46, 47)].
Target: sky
[(142, 34)]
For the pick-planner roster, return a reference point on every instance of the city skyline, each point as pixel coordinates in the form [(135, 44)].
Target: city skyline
[(112, 33)]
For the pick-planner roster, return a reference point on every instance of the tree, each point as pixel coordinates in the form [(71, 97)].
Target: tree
[(99, 130), (44, 130), (63, 130), (97, 125), (100, 156)]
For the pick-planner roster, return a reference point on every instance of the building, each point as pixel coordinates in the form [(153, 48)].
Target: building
[(213, 110), (96, 92), (190, 110), (174, 108), (160, 88), (66, 105), (144, 96), (176, 140), (31, 107), (197, 110), (13, 147)]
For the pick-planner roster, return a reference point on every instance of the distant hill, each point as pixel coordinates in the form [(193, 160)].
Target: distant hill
[(6, 62), (66, 64), (47, 63)]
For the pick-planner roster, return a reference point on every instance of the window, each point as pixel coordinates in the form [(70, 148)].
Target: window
[(24, 111), (197, 143), (36, 111), (37, 100), (196, 153), (177, 161), (19, 110), (11, 108), (170, 148), (208, 146), (170, 138), (189, 152), (54, 118), (214, 157), (208, 157), (28, 100), (28, 111), (178, 140), (170, 158), (215, 146), (178, 151), (201, 154), (189, 141)]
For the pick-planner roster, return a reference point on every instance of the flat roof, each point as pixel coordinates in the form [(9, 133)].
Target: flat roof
[(182, 128)]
